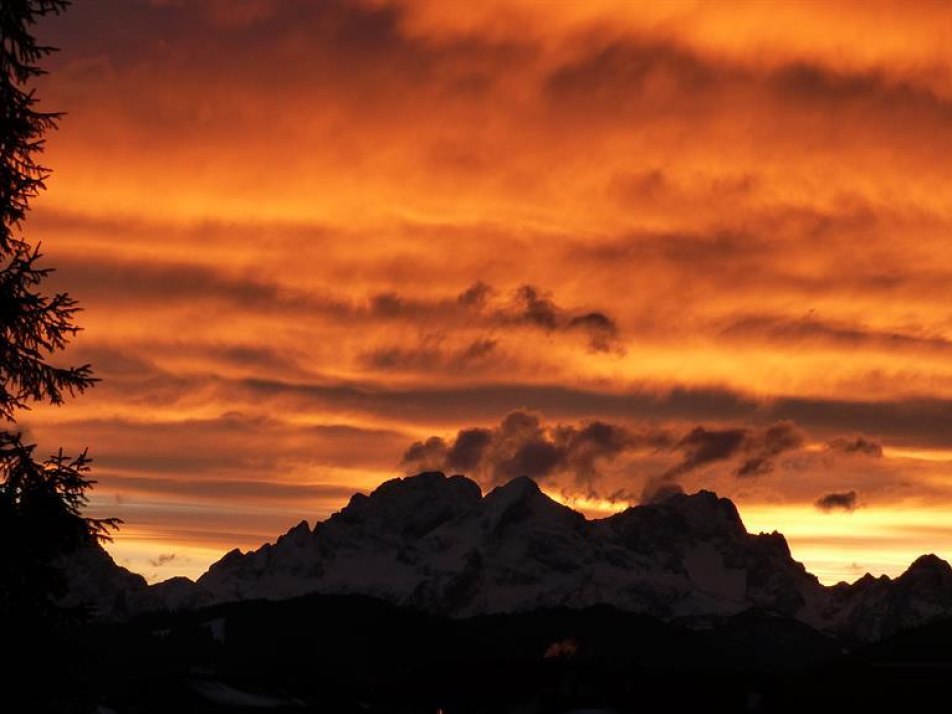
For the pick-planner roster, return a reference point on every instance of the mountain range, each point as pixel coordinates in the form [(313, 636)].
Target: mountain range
[(437, 544)]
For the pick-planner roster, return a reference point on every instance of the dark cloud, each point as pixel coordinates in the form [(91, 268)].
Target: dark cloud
[(617, 76), (764, 446), (477, 350), (757, 447), (756, 466), (476, 295), (426, 455), (908, 422), (534, 307), (367, 39), (856, 445), (259, 357), (702, 446), (387, 305), (521, 445), (845, 501), (143, 360), (223, 453), (170, 282), (162, 559), (699, 447), (468, 448), (594, 321), (656, 492), (832, 88), (597, 441), (601, 329), (916, 421), (784, 329), (114, 362), (535, 458), (199, 487), (432, 355), (425, 404), (482, 305), (605, 78), (644, 80), (582, 455), (156, 285), (764, 251), (712, 249)]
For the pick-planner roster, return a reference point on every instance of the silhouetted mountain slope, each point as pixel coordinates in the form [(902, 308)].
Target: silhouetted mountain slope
[(435, 543), (872, 608), (97, 583)]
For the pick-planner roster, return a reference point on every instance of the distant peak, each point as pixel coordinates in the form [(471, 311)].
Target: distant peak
[(299, 535), (427, 476), (424, 479), (701, 502), (703, 514), (521, 500), (176, 581), (520, 489), (929, 563), (520, 484), (868, 579), (413, 504), (427, 482), (701, 496)]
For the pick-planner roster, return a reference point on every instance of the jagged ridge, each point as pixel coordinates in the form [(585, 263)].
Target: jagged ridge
[(436, 543)]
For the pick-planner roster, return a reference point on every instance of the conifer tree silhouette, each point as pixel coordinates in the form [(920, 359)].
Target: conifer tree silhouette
[(41, 502)]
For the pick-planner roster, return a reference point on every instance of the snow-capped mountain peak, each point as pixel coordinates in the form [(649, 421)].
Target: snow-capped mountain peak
[(435, 542)]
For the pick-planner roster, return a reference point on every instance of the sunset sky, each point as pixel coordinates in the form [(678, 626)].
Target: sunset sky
[(623, 248)]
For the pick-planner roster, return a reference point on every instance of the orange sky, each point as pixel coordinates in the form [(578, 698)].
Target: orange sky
[(622, 247)]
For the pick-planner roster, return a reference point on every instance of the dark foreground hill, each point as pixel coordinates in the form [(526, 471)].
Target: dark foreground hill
[(326, 653)]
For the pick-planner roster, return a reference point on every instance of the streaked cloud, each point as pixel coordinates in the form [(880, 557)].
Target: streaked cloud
[(837, 501)]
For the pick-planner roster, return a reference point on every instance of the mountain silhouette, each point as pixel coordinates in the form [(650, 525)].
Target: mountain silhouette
[(436, 544)]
